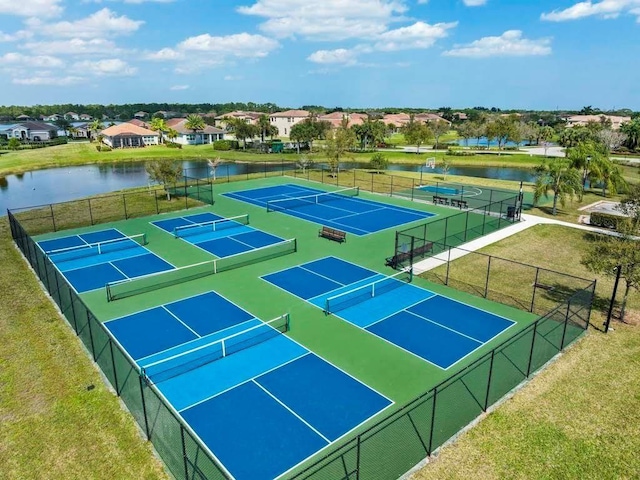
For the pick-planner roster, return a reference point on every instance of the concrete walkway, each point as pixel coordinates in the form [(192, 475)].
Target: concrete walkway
[(527, 221)]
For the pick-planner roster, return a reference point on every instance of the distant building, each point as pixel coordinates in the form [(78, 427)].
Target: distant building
[(81, 131), (283, 121), (335, 118), (140, 115), (127, 135), (461, 116), (139, 123), (32, 131), (72, 116), (249, 117), (187, 136), (52, 118), (84, 117), (23, 118), (582, 120)]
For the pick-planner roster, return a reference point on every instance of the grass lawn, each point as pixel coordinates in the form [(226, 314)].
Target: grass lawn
[(52, 426), (86, 153), (579, 418)]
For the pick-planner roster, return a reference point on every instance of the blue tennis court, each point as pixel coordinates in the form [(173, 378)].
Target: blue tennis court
[(222, 237), (464, 191), (259, 401), (91, 260), (342, 209), (435, 328)]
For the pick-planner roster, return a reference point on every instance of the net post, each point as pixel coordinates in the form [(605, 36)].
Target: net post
[(486, 398)]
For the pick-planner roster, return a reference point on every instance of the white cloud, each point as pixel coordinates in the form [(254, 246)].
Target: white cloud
[(232, 78), (31, 8), (48, 80), (103, 23), (603, 9), (74, 46), (206, 51), (509, 44), (474, 3), (12, 37), (179, 87), (111, 66), (419, 35), (340, 56), (325, 19), (36, 61)]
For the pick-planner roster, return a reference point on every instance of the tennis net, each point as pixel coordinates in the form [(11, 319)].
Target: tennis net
[(98, 248), (365, 292), (183, 362), (212, 226), (154, 281), (296, 202)]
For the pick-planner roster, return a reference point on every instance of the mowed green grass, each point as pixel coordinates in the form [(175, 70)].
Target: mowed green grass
[(51, 426), (580, 418)]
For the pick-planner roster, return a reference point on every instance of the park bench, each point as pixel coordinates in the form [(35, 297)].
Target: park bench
[(333, 234), (399, 258), (544, 286), (459, 203), (440, 200)]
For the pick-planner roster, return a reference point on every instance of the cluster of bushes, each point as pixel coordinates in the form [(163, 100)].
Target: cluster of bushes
[(605, 220), (225, 145), (103, 148), (458, 152), (173, 145)]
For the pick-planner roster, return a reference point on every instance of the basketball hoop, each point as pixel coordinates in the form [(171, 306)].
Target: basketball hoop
[(431, 163)]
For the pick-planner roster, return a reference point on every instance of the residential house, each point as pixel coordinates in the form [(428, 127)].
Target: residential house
[(398, 120), (187, 136), (32, 131), (81, 132), (23, 118), (582, 120), (166, 114), (430, 117), (127, 135), (283, 121), (84, 117), (140, 115), (72, 116), (52, 118), (139, 123), (249, 117), (335, 118), (461, 116)]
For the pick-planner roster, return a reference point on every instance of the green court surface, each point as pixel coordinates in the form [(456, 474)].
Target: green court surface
[(391, 371)]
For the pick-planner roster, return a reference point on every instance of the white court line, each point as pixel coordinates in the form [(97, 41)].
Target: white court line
[(444, 326), (178, 318), (291, 411)]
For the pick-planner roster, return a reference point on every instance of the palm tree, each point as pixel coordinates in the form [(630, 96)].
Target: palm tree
[(195, 123), (172, 134), (264, 125), (603, 170), (158, 125), (95, 126), (561, 178), (72, 131)]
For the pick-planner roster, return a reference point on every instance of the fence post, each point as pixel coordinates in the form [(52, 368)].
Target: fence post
[(466, 225), (144, 407), (53, 217), (155, 195), (486, 399), (433, 420), (321, 174), (184, 453), (93, 347), (535, 287), (371, 182), (354, 177), (358, 457), (265, 169), (486, 283), (115, 372), (391, 192), (90, 212), (533, 342), (413, 186), (484, 218), (566, 321), (446, 280), (500, 214), (124, 203)]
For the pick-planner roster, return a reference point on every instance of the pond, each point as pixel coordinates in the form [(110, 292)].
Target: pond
[(68, 183)]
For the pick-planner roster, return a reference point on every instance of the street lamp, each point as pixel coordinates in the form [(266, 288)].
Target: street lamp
[(584, 173)]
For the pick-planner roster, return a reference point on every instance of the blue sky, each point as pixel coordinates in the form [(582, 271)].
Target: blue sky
[(543, 54)]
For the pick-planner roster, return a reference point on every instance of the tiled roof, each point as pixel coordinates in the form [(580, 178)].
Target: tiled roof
[(291, 113), (128, 128)]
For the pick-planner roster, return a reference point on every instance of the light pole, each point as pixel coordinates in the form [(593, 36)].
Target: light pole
[(584, 173)]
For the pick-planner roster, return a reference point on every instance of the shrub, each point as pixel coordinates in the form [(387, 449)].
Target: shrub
[(456, 152), (14, 144), (379, 162), (103, 148), (606, 220), (222, 145), (173, 145)]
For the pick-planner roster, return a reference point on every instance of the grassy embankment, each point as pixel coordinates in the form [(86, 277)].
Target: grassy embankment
[(51, 425), (86, 153), (578, 419)]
